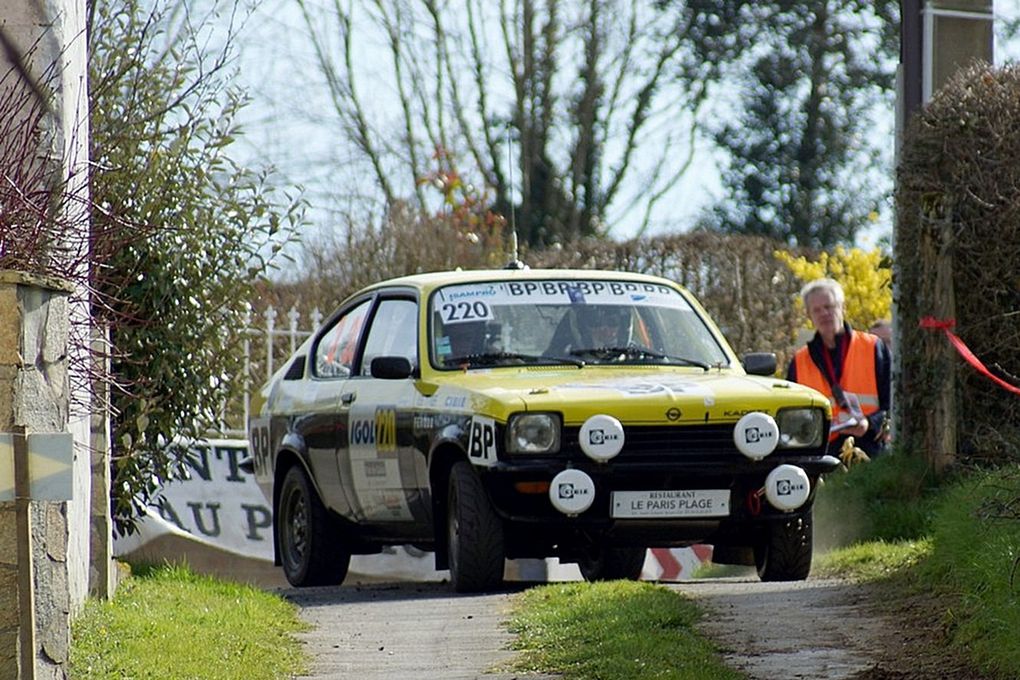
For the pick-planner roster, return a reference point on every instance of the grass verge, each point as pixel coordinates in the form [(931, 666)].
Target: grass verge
[(945, 558), (952, 550), (975, 567), (169, 623), (612, 631)]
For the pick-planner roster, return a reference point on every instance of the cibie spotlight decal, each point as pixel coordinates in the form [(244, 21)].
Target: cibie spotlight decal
[(756, 435), (572, 492), (601, 437), (753, 435), (567, 491)]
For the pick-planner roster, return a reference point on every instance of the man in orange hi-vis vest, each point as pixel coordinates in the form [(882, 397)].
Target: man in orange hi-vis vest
[(851, 368)]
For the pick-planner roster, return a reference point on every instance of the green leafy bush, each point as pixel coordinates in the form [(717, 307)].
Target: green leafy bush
[(181, 234)]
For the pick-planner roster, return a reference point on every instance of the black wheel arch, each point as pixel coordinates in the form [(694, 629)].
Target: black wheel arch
[(286, 458), (441, 461)]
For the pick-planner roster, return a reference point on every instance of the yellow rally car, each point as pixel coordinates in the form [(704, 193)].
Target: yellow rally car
[(485, 415)]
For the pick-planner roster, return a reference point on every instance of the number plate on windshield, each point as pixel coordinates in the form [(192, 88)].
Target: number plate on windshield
[(672, 503)]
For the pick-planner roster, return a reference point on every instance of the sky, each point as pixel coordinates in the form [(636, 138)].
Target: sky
[(288, 124), (292, 127)]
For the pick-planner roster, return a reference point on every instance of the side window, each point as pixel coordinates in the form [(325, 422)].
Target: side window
[(334, 355), (394, 332)]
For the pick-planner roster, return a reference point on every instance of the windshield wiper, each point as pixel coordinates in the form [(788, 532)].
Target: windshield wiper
[(511, 358), (636, 352), (689, 362)]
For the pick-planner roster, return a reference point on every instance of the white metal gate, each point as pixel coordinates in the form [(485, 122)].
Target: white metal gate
[(266, 344)]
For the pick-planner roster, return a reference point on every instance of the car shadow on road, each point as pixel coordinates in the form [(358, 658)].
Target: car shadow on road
[(392, 591)]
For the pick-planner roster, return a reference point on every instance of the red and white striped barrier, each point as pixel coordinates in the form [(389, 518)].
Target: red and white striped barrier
[(675, 564)]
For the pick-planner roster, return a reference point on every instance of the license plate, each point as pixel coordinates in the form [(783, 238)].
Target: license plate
[(672, 503)]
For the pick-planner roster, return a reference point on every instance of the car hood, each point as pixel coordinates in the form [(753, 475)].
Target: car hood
[(636, 396)]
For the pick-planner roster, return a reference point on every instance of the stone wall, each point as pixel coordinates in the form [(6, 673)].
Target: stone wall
[(34, 390), (49, 38)]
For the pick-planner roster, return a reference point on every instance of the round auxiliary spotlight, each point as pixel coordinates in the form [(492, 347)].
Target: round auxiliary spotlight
[(572, 492), (756, 435), (601, 437), (787, 487)]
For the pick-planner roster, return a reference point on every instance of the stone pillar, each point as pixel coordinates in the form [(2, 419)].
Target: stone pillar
[(102, 568), (34, 391), (45, 52), (9, 610)]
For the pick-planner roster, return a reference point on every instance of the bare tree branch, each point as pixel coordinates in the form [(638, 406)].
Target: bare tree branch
[(656, 196), (393, 28), (492, 170), (442, 70), (343, 91), (639, 116), (578, 83), (15, 57)]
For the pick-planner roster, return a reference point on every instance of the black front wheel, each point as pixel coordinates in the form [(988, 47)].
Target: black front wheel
[(610, 564), (311, 548), (474, 534), (785, 552)]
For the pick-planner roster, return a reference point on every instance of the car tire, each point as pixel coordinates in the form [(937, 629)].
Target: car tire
[(474, 534), (610, 564), (785, 555), (310, 546)]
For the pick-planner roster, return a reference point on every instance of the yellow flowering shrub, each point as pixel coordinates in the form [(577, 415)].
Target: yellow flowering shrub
[(866, 277)]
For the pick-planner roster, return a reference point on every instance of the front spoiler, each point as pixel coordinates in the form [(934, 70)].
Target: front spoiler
[(744, 478)]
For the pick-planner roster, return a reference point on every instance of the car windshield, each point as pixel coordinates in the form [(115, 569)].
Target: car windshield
[(549, 322)]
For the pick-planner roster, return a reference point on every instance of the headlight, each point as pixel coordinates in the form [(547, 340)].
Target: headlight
[(533, 433), (800, 427)]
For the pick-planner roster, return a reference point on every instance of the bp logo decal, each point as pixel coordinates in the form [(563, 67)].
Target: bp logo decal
[(482, 441)]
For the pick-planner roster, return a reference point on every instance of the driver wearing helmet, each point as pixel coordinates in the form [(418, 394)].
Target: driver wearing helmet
[(586, 327), (605, 326)]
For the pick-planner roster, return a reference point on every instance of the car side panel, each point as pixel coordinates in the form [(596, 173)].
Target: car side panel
[(378, 461), (313, 432)]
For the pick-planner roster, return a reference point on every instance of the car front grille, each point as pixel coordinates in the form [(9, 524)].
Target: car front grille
[(686, 443)]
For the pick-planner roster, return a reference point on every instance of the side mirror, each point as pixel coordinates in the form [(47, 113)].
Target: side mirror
[(391, 368), (760, 363)]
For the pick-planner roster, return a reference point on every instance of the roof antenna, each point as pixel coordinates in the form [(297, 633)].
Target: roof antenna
[(514, 262)]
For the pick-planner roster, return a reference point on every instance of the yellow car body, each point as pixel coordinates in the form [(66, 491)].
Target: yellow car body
[(485, 415)]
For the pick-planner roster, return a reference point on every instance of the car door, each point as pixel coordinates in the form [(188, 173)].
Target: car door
[(319, 423), (382, 467)]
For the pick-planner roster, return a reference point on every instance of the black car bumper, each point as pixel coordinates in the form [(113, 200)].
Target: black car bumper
[(519, 492)]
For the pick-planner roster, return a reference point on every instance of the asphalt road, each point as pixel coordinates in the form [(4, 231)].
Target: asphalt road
[(816, 629), (382, 631)]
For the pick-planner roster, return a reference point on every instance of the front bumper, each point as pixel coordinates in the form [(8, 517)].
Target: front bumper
[(705, 458)]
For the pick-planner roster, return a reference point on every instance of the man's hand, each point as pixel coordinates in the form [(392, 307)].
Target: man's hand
[(859, 429)]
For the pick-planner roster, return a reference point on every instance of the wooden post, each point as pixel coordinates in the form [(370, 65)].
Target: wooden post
[(26, 577), (944, 438), (936, 252)]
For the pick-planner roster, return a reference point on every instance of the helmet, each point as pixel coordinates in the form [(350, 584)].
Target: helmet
[(604, 325), (473, 337)]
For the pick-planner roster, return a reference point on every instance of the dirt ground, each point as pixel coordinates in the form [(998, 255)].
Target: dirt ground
[(825, 628)]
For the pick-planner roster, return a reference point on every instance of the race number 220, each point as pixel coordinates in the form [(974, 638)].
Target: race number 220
[(465, 311)]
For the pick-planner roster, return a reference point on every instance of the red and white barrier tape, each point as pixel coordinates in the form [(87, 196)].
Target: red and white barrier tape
[(945, 325)]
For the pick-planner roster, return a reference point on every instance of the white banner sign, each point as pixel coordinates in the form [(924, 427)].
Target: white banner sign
[(220, 505)]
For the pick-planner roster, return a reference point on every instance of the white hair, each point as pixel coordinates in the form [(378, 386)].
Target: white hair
[(819, 285)]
